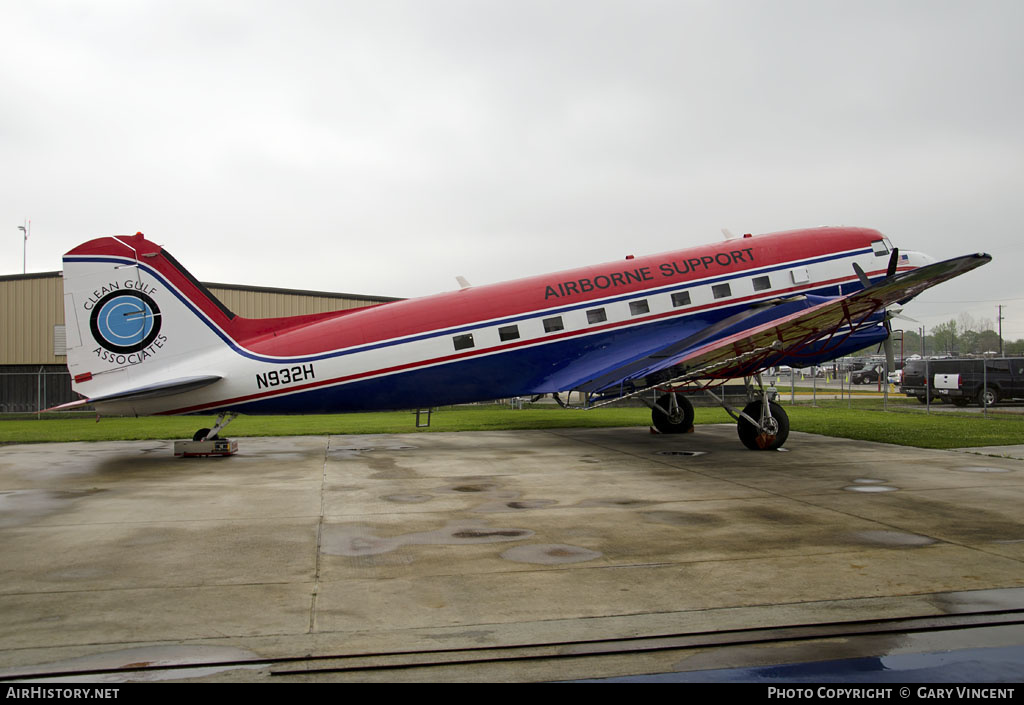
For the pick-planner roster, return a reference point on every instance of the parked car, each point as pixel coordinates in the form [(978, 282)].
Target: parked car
[(962, 381), (871, 372)]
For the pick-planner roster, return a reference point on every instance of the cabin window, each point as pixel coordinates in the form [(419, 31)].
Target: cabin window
[(762, 283), (720, 291), (508, 332), (553, 324), (638, 308), (463, 341), (596, 315), (681, 298)]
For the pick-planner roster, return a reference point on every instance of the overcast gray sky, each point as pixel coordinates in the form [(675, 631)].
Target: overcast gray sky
[(386, 146)]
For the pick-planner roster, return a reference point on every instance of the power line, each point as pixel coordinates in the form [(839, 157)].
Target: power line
[(962, 301)]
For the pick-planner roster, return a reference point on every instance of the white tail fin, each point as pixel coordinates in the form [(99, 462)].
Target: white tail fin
[(135, 318)]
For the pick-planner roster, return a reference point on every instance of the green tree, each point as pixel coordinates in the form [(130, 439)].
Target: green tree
[(944, 337)]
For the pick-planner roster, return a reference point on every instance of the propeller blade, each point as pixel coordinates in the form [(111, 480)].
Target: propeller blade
[(894, 259), (900, 315), (864, 281)]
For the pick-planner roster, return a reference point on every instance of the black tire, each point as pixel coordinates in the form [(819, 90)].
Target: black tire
[(754, 439), (680, 422), (201, 434), (923, 399), (988, 396)]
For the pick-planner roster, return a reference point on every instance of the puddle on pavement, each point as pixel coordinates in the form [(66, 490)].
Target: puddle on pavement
[(616, 502), (501, 500), (550, 554), (18, 507), (516, 505), (870, 484), (355, 449), (894, 539), (360, 540), (674, 518), (408, 498), (470, 487)]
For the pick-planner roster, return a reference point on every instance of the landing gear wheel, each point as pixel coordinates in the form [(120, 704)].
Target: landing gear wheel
[(679, 418), (200, 435), (770, 438)]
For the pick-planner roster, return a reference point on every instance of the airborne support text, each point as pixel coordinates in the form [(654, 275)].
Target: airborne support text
[(644, 274)]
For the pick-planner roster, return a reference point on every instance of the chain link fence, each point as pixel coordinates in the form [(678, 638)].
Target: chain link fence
[(829, 387), (33, 388)]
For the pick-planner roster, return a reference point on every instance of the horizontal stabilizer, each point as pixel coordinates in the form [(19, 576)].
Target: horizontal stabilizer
[(161, 389)]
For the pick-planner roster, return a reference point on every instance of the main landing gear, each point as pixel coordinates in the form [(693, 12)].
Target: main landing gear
[(762, 425), (769, 431), (673, 413)]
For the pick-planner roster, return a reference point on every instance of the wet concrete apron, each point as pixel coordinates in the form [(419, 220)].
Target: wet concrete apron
[(117, 557)]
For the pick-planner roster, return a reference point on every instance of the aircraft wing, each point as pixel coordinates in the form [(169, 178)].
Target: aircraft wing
[(174, 386), (750, 350)]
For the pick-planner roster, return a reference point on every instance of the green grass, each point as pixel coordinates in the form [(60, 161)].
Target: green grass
[(470, 418), (910, 427), (862, 421)]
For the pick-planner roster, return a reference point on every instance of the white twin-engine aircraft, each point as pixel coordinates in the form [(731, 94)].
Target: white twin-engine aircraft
[(144, 337)]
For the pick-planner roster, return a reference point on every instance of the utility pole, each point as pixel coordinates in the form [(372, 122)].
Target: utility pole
[(26, 230), (999, 318)]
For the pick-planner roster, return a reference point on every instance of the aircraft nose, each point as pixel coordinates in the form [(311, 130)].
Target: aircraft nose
[(915, 259)]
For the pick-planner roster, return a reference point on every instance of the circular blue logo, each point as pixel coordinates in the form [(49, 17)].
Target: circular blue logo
[(125, 321)]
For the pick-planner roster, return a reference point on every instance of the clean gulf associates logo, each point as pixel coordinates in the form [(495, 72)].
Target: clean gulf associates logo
[(126, 323)]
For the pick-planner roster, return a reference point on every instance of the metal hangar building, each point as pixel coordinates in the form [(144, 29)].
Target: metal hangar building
[(33, 371)]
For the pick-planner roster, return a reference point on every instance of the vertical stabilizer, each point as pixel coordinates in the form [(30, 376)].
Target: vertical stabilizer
[(134, 317)]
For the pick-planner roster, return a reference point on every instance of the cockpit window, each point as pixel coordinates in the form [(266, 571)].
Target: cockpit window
[(881, 247)]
